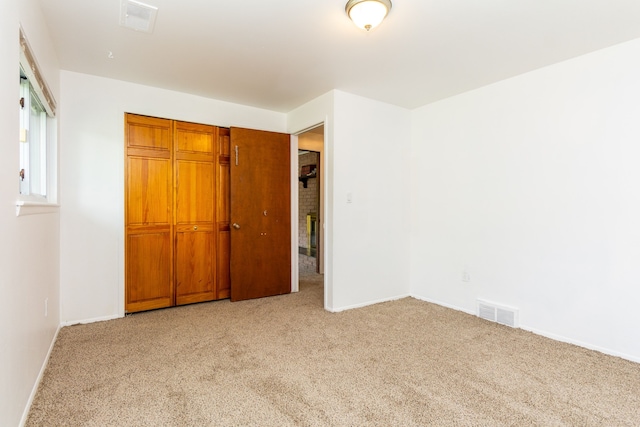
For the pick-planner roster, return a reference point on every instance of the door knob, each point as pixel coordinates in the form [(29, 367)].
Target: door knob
[(236, 225)]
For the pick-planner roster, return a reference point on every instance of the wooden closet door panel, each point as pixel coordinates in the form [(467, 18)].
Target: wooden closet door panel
[(149, 191), (224, 264), (194, 258), (195, 216), (195, 192), (223, 213), (195, 238), (194, 138), (224, 194), (149, 270), (148, 214), (148, 132)]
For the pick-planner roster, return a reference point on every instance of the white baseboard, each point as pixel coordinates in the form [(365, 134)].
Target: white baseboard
[(581, 344), (92, 320), (32, 396), (364, 304), (440, 303), (545, 334)]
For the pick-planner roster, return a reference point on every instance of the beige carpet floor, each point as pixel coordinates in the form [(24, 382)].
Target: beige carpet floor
[(284, 361)]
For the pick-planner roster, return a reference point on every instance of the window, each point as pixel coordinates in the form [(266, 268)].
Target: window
[(33, 141), (37, 133)]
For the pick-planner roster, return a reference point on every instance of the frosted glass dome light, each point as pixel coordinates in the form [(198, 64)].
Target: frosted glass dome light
[(367, 14)]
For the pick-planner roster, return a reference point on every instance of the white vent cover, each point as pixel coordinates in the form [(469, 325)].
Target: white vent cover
[(498, 313), (137, 16)]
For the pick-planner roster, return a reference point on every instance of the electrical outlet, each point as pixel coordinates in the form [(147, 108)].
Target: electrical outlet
[(466, 277), (46, 307)]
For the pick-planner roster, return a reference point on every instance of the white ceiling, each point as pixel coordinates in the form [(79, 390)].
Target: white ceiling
[(279, 54)]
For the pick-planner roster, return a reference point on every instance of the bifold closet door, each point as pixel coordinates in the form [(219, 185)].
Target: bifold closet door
[(148, 214), (195, 205), (223, 214), (177, 213)]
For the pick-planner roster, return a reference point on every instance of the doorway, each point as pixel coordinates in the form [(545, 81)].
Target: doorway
[(311, 205), (308, 208)]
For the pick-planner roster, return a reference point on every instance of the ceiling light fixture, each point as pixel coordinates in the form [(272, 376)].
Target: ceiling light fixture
[(367, 14)]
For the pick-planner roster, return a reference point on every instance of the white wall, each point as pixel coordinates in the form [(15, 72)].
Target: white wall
[(370, 234), (532, 184), (92, 179), (29, 271)]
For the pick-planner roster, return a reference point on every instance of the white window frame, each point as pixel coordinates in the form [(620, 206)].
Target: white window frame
[(27, 204)]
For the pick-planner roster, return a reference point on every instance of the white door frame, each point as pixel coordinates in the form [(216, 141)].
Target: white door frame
[(318, 147)]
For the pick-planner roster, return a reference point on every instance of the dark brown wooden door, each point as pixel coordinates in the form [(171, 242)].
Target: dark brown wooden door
[(260, 214)]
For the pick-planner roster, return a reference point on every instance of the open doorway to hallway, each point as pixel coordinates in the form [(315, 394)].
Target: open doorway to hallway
[(311, 205), (308, 208)]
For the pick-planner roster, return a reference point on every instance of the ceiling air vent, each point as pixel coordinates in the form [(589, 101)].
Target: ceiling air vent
[(137, 16), (498, 313)]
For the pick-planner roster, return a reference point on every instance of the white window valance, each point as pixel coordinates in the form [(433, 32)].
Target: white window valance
[(31, 69)]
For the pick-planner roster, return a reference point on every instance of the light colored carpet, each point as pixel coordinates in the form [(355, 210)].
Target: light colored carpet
[(284, 361)]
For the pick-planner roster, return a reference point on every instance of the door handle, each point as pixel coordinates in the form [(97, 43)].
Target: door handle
[(236, 225)]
